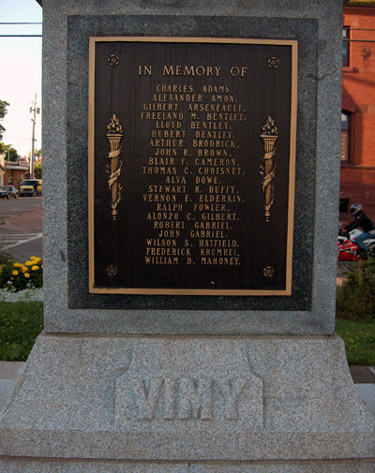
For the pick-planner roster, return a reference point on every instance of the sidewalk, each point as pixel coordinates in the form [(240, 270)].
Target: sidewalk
[(363, 377)]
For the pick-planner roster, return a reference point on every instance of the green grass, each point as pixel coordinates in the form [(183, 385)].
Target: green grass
[(359, 340), (20, 324)]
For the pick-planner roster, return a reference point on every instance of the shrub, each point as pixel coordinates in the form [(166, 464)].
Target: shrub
[(356, 300), (18, 276), (4, 255)]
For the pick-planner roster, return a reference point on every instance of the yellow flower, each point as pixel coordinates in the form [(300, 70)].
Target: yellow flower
[(27, 275), (25, 269), (17, 265), (29, 263), (34, 268), (15, 272), (36, 259)]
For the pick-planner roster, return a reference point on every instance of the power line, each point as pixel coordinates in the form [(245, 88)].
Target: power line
[(7, 137), (21, 23), (13, 23), (21, 36)]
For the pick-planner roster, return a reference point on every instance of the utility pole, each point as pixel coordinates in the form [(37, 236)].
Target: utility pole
[(34, 110)]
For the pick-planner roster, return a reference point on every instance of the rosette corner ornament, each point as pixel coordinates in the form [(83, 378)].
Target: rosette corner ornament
[(113, 60), (269, 137), (114, 167)]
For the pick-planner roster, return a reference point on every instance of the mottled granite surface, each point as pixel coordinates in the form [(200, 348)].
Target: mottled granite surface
[(195, 398), (68, 306), (175, 384)]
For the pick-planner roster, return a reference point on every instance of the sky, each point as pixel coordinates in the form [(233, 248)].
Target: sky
[(20, 77)]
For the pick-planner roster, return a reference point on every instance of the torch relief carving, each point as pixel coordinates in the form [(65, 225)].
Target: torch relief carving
[(269, 137), (114, 136)]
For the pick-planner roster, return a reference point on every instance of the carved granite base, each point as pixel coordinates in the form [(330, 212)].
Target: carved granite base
[(187, 399)]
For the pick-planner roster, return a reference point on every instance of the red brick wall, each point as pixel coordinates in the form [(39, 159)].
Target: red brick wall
[(17, 177), (358, 176)]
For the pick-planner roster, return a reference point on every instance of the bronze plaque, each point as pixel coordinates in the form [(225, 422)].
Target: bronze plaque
[(191, 165)]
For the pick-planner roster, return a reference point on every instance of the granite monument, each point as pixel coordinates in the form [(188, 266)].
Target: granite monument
[(191, 170)]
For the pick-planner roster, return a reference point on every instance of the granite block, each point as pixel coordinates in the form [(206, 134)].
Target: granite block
[(202, 384), (68, 305), (65, 466), (187, 398)]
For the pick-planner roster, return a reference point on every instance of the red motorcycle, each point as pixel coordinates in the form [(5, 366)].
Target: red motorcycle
[(347, 250)]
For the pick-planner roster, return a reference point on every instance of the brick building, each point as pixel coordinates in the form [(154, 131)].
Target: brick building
[(358, 109), (16, 172), (13, 172)]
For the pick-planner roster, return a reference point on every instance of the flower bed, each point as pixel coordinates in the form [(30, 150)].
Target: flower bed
[(15, 277)]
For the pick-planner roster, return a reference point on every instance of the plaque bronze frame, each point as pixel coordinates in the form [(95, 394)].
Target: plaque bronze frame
[(268, 135)]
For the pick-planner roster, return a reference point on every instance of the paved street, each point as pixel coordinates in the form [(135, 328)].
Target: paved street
[(21, 227)]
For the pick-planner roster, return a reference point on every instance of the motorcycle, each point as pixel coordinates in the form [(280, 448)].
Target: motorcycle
[(348, 250)]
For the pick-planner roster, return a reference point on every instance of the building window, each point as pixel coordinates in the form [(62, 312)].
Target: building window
[(345, 136), (344, 206), (345, 46)]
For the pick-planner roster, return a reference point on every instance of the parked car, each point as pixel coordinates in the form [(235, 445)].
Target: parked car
[(31, 187), (6, 192)]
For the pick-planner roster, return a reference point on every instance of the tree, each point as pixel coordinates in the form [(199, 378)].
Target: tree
[(38, 171), (12, 154), (38, 166), (3, 112)]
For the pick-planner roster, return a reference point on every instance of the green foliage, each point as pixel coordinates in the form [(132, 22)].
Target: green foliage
[(3, 112), (38, 171), (4, 256), (3, 108), (359, 340), (356, 300), (11, 154), (20, 324)]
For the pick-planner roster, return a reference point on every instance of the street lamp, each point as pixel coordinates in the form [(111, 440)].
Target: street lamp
[(34, 110)]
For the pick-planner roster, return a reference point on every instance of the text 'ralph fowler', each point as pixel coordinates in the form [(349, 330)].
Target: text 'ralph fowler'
[(203, 398)]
